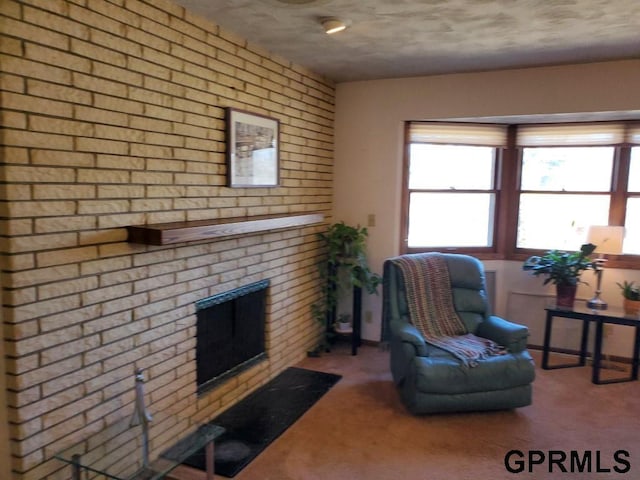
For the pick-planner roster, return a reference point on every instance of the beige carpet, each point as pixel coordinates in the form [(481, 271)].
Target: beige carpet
[(360, 430)]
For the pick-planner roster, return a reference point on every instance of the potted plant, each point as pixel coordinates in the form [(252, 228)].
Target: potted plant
[(563, 269), (343, 325), (631, 294), (345, 267)]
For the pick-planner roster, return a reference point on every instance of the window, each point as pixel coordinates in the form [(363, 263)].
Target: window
[(563, 191), (632, 217), (567, 182), (451, 185), (506, 191)]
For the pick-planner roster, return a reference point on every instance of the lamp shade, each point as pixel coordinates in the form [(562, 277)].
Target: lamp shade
[(607, 239)]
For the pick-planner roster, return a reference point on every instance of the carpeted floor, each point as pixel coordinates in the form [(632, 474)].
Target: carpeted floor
[(360, 430)]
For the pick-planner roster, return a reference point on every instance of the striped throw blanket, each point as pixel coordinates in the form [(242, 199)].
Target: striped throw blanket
[(431, 309)]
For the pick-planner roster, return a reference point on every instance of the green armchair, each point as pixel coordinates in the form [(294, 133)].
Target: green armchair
[(432, 380)]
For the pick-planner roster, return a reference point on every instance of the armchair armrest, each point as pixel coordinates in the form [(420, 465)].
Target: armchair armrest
[(408, 333), (511, 335)]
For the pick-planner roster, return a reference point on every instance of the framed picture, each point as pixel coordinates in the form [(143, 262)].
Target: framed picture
[(253, 145)]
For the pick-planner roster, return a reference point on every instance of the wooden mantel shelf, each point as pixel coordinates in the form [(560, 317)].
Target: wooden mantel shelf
[(178, 232)]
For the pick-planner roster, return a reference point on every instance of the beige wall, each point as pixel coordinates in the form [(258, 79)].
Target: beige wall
[(113, 115), (369, 133)]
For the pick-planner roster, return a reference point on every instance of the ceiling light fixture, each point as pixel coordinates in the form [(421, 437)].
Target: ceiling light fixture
[(332, 25)]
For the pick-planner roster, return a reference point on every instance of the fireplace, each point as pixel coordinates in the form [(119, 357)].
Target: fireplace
[(230, 333)]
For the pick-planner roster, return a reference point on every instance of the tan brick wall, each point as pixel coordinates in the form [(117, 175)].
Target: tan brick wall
[(113, 115)]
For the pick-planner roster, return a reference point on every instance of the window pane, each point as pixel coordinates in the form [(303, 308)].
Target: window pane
[(634, 170), (556, 221), (586, 169), (631, 243), (451, 166), (451, 219)]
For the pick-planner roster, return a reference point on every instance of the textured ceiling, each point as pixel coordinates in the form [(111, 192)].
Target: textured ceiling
[(399, 38)]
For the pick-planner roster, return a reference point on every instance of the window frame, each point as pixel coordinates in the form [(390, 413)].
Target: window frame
[(495, 190), (520, 191), (507, 181), (626, 164)]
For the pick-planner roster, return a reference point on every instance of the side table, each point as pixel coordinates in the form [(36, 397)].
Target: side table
[(611, 316), (115, 452)]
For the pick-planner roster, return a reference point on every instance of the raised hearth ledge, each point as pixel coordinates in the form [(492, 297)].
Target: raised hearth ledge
[(198, 230)]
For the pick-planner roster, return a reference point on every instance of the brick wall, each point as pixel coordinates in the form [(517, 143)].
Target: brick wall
[(113, 115)]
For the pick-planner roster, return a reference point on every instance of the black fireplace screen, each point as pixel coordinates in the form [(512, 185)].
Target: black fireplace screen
[(230, 333)]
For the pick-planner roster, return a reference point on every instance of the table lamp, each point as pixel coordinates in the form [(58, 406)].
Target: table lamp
[(608, 240)]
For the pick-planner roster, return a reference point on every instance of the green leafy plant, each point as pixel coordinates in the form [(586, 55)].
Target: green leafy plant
[(629, 290), (561, 268), (345, 267)]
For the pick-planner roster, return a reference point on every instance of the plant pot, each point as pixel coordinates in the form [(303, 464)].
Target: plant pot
[(565, 296), (343, 327), (631, 307)]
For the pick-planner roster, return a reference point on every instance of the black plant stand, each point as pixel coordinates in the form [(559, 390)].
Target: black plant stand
[(356, 311)]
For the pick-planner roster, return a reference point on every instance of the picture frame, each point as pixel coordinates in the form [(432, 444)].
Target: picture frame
[(253, 149)]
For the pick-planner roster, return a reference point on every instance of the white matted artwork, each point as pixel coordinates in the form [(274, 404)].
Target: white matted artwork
[(252, 149)]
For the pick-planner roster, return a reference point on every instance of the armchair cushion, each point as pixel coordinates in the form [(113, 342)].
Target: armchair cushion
[(441, 374)]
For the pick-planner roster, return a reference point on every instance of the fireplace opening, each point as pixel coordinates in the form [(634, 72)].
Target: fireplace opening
[(230, 333)]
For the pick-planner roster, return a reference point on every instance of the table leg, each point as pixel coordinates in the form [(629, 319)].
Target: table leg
[(547, 341), (582, 361), (597, 358), (75, 466), (357, 320), (597, 353), (583, 343), (636, 355), (209, 451)]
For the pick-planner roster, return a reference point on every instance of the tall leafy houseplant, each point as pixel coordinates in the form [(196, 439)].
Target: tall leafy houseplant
[(346, 266), (563, 269)]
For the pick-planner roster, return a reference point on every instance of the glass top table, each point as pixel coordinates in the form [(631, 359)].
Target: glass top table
[(582, 308), (612, 316), (117, 451)]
